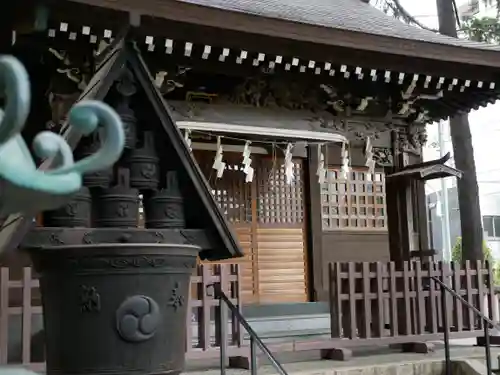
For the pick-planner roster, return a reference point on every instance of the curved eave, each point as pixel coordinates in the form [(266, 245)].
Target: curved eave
[(462, 103), (426, 173), (304, 32)]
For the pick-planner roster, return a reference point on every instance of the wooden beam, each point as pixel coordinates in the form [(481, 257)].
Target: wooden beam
[(314, 228), (354, 55), (252, 39), (302, 32), (453, 101)]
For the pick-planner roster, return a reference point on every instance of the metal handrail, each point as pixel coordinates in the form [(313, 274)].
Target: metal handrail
[(255, 340), (487, 322)]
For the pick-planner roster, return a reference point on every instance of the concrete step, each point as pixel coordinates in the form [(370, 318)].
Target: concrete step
[(297, 334), (365, 361)]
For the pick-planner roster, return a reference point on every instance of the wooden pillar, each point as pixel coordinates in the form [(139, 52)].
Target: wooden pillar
[(420, 215), (399, 208), (404, 219), (419, 210), (319, 291)]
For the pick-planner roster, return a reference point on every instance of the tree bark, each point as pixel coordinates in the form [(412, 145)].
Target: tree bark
[(463, 152)]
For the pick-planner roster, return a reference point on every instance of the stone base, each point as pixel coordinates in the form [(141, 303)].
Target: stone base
[(494, 340), (336, 354), (242, 362), (418, 347)]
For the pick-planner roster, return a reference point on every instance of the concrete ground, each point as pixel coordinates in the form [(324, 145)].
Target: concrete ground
[(364, 360)]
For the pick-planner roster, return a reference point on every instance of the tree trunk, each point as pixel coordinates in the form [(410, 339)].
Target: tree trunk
[(468, 191)]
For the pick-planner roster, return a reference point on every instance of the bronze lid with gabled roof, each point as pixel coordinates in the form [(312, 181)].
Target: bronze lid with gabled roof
[(201, 203), (203, 211)]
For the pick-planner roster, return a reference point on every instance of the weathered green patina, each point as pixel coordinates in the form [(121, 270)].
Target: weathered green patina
[(23, 187)]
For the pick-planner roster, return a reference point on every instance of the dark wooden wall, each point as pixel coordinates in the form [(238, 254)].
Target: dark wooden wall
[(340, 245), (363, 246), (349, 246)]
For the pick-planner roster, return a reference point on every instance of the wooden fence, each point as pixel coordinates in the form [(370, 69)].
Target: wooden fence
[(371, 304), (385, 303), (21, 325)]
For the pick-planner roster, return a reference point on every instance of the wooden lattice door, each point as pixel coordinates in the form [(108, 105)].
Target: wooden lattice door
[(280, 234), (235, 199), (268, 218)]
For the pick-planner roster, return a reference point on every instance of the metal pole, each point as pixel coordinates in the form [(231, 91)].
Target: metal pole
[(466, 303), (430, 230), (445, 210), (253, 356), (222, 335), (254, 337), (487, 346), (487, 322), (444, 313)]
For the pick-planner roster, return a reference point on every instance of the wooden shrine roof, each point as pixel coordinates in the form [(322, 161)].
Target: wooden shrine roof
[(350, 15), (429, 170), (337, 23), (346, 44)]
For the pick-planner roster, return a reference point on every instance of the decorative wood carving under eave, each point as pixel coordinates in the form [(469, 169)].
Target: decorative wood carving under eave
[(383, 156), (338, 99), (70, 72), (411, 139), (169, 80), (355, 130)]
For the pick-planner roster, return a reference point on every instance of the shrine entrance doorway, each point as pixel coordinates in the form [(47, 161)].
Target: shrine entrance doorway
[(269, 218)]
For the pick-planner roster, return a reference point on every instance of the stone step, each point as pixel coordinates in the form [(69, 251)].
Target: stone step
[(365, 361)]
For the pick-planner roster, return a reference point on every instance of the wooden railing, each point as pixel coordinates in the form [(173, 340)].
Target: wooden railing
[(371, 304), (202, 325), (384, 303), (21, 326)]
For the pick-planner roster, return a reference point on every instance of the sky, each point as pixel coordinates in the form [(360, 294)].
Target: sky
[(484, 123), (424, 10)]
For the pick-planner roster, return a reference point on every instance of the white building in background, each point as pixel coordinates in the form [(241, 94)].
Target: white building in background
[(485, 130), (474, 8)]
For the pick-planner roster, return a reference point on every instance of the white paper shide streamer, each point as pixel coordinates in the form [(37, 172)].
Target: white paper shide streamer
[(288, 164), (187, 139), (321, 172), (370, 162), (345, 169), (219, 165), (247, 161)]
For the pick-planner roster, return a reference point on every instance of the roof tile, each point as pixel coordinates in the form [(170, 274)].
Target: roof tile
[(351, 15)]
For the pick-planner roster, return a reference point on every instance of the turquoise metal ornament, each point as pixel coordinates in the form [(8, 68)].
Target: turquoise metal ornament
[(23, 187)]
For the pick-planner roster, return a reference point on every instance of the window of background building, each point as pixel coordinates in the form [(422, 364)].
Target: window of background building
[(355, 203), (491, 226)]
